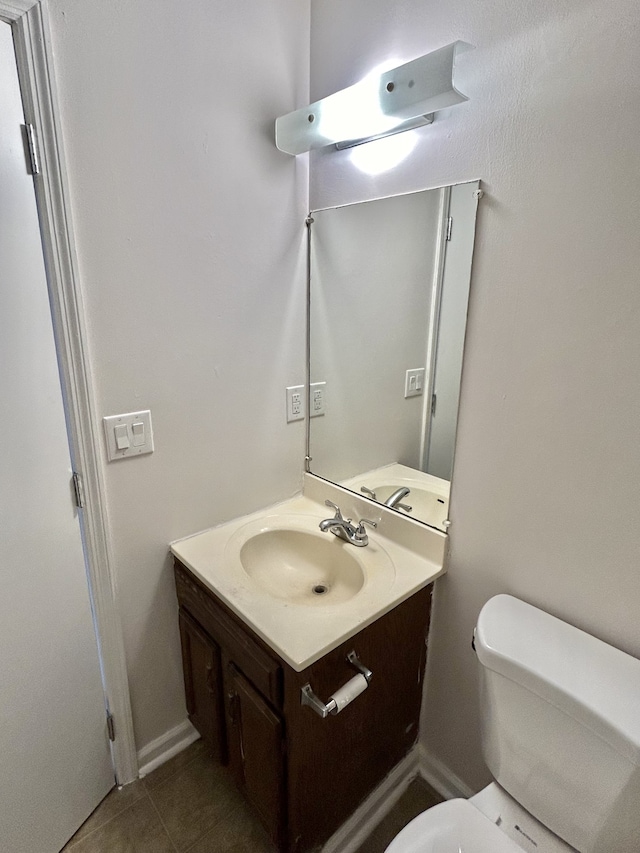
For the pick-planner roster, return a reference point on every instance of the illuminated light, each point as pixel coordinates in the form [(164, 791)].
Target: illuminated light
[(384, 103), (383, 154)]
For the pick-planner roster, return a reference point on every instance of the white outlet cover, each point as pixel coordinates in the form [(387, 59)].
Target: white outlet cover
[(317, 394), (140, 442), (295, 403)]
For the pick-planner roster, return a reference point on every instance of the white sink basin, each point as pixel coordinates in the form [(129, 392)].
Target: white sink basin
[(289, 558), (301, 567)]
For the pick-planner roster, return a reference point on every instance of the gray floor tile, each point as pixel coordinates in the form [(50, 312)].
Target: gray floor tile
[(417, 798), (174, 765), (138, 829), (238, 832), (191, 805), (195, 800), (116, 801)]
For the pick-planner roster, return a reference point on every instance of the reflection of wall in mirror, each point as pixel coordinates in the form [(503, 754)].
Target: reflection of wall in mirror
[(371, 284)]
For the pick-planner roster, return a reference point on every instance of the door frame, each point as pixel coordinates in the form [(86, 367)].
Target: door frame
[(29, 20)]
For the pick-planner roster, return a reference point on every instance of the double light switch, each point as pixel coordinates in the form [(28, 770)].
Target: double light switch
[(128, 435)]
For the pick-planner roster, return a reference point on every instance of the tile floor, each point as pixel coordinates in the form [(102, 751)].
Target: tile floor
[(418, 797), (190, 805)]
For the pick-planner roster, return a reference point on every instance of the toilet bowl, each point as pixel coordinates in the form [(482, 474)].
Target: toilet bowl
[(455, 826), (490, 822), (561, 737)]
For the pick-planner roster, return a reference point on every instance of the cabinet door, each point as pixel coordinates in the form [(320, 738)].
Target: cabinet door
[(334, 763), (203, 684), (256, 743)]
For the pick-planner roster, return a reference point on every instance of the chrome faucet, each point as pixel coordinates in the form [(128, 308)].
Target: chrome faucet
[(344, 529), (393, 501)]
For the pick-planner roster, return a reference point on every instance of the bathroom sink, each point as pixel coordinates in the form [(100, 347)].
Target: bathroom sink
[(302, 567), (289, 558), (264, 568)]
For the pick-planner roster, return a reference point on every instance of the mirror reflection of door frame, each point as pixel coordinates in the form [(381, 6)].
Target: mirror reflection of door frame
[(434, 320), (450, 329), (32, 41)]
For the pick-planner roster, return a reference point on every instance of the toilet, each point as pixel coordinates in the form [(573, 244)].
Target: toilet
[(560, 722)]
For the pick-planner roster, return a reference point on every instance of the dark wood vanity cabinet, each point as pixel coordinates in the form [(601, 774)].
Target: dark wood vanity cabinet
[(201, 662), (256, 750), (304, 775)]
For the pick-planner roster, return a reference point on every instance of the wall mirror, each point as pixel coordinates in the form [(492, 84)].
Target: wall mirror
[(388, 295)]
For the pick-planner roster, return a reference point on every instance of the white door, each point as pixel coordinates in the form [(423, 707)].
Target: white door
[(55, 763)]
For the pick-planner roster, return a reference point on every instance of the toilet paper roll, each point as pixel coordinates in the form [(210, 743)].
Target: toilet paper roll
[(348, 692)]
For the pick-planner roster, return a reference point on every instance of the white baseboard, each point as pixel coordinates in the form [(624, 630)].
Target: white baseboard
[(165, 747), (440, 777), (368, 815)]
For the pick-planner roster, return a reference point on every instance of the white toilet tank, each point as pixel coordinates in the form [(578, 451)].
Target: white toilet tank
[(560, 715)]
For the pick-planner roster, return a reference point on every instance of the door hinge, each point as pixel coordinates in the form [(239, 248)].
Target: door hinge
[(78, 489), (111, 727), (449, 227), (434, 400), (33, 161)]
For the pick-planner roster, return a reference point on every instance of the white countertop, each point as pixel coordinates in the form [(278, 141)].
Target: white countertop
[(302, 633)]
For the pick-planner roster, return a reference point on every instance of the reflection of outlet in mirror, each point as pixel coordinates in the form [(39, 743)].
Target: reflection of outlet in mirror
[(295, 403), (317, 394), (128, 435), (414, 382)]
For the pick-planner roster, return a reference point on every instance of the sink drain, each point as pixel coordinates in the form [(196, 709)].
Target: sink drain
[(320, 589)]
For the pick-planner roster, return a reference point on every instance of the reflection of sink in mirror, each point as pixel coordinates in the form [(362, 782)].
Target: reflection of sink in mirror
[(428, 495), (289, 558)]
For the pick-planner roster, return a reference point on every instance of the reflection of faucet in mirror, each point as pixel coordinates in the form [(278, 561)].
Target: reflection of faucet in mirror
[(343, 528), (410, 256), (394, 499)]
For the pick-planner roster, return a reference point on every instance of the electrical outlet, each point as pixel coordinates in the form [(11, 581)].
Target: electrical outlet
[(414, 382), (295, 403), (317, 393)]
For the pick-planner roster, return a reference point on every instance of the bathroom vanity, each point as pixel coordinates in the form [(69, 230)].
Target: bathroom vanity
[(250, 658), (303, 774)]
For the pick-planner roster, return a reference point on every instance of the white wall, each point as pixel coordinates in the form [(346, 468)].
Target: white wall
[(547, 474), (190, 238)]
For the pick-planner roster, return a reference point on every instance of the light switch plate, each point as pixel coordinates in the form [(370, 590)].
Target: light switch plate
[(135, 433), (414, 382)]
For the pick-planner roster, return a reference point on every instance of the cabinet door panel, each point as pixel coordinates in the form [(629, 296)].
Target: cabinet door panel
[(260, 667), (203, 684), (334, 763), (256, 740)]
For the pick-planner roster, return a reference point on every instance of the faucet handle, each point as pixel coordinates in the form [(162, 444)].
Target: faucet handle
[(371, 494), (364, 521), (336, 507)]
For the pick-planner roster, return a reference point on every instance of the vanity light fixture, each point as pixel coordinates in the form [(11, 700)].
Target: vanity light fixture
[(399, 99)]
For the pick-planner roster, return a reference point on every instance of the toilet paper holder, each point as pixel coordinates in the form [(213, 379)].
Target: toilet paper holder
[(346, 694)]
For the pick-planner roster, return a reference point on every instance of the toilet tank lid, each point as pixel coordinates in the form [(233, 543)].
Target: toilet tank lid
[(591, 681)]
